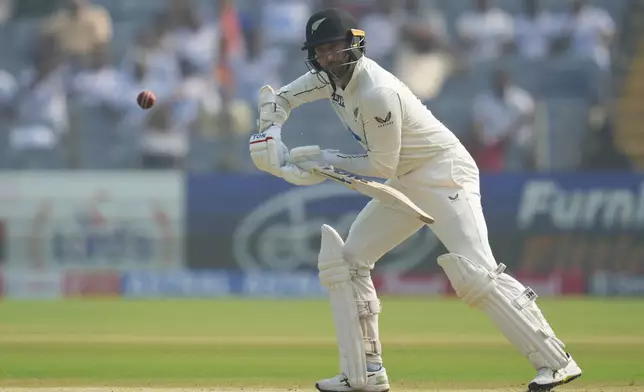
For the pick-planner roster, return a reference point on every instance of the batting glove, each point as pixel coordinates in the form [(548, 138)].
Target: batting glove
[(268, 152), (301, 162)]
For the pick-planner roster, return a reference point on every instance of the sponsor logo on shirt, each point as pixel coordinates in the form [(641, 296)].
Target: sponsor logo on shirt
[(384, 121), (338, 99)]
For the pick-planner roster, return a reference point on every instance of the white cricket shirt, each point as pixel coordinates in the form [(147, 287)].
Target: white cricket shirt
[(398, 132)]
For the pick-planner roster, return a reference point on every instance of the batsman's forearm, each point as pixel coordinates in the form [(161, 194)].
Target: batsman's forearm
[(357, 164)]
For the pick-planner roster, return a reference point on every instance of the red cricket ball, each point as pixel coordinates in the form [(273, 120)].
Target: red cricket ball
[(146, 99)]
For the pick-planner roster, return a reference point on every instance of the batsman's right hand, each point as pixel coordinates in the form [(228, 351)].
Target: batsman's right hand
[(299, 170), (268, 152)]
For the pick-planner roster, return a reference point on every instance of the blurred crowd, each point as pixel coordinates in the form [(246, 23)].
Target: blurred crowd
[(68, 98)]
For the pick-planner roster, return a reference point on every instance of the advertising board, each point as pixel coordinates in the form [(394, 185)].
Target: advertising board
[(554, 231), (100, 220)]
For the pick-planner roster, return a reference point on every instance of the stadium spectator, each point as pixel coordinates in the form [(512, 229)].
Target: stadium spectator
[(194, 93), (97, 91), (206, 60), (149, 54), (169, 128), (503, 119), (486, 32), (537, 31), (99, 82), (163, 146), (140, 78), (591, 31), (424, 44), (190, 37), (78, 28), (40, 117)]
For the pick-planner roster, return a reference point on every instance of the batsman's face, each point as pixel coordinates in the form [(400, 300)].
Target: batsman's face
[(332, 56)]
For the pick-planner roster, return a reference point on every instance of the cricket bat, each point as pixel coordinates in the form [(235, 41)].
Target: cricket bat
[(373, 189)]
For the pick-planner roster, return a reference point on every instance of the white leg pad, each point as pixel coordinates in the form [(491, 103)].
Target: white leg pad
[(369, 307), (335, 275), (510, 305)]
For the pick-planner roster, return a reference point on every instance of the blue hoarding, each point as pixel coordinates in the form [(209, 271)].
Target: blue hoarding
[(537, 223)]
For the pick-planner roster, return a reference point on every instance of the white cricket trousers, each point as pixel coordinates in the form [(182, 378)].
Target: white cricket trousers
[(447, 188)]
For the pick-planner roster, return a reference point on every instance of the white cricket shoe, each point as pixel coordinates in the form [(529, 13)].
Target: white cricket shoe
[(376, 382), (546, 379)]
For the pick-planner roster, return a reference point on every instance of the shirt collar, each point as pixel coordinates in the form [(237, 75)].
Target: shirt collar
[(353, 82)]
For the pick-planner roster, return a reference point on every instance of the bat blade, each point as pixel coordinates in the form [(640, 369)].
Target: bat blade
[(374, 190)]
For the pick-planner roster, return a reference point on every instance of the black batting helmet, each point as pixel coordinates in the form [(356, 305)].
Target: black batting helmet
[(330, 25)]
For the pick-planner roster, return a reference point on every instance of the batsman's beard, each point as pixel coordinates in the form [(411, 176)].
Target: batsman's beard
[(339, 71)]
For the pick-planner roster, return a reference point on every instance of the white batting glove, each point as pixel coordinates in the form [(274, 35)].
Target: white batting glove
[(311, 156), (268, 152), (301, 161), (307, 157), (298, 176)]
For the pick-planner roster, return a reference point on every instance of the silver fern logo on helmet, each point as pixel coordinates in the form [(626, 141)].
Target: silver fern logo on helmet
[(316, 24)]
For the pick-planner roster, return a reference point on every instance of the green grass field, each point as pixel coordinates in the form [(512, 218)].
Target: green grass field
[(429, 344)]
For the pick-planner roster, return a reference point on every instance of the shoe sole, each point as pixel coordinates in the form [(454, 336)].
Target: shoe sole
[(317, 386), (534, 387)]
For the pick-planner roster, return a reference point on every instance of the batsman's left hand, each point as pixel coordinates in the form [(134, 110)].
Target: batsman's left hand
[(269, 154)]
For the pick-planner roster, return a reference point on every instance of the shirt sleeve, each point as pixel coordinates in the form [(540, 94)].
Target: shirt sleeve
[(306, 88), (356, 164)]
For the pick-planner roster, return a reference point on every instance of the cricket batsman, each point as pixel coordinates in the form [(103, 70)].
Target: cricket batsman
[(422, 158)]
